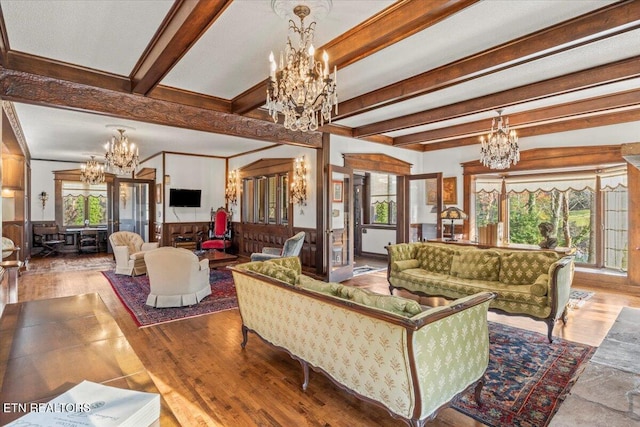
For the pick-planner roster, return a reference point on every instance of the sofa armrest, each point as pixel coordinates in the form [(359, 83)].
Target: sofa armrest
[(149, 246), (121, 254), (560, 279)]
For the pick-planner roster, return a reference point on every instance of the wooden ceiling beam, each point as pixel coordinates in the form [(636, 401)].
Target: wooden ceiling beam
[(393, 24), (528, 118), (185, 23), (35, 89), (596, 76), (525, 49), (577, 123)]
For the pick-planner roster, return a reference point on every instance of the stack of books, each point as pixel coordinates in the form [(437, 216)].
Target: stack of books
[(90, 404)]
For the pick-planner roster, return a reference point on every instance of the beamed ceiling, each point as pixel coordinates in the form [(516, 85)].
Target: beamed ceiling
[(190, 75)]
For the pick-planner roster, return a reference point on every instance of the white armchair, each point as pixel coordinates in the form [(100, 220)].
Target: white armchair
[(176, 277), (129, 250)]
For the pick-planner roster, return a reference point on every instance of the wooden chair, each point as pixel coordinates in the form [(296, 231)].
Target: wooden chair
[(88, 242), (220, 231), (50, 238)]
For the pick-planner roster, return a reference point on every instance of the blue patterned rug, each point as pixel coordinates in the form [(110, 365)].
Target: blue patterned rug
[(527, 378), (133, 292)]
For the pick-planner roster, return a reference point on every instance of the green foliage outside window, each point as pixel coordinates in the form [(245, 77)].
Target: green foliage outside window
[(73, 210)]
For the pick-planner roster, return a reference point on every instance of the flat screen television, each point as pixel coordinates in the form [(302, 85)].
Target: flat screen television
[(180, 197)]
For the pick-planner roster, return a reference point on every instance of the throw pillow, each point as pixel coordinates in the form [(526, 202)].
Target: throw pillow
[(539, 288), (318, 285), (274, 271), (405, 265)]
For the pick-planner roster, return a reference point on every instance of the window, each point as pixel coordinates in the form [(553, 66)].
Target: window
[(265, 199), (570, 202), (383, 204), (83, 204)]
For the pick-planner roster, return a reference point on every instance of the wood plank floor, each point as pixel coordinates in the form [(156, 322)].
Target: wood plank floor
[(208, 380)]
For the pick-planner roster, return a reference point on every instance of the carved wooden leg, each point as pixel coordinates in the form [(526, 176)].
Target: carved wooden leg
[(565, 313), (245, 336), (477, 392), (391, 289), (550, 324), (305, 372)]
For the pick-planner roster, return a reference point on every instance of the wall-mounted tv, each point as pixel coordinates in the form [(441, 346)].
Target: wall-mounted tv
[(180, 197)]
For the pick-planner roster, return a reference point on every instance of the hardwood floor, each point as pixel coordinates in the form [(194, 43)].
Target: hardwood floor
[(208, 380)]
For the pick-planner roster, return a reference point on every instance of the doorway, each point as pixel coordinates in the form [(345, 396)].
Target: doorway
[(133, 206)]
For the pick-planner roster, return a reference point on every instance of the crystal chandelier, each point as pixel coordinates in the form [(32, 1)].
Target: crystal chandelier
[(121, 156), (301, 87), (231, 191), (92, 172), (500, 149)]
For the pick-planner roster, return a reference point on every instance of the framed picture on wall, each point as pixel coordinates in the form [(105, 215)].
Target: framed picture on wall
[(337, 191), (449, 191), (432, 191), (159, 193)]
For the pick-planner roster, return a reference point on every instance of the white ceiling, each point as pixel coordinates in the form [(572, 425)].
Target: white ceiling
[(231, 57)]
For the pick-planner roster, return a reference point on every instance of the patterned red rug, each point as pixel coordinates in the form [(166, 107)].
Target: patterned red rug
[(133, 292), (527, 378)]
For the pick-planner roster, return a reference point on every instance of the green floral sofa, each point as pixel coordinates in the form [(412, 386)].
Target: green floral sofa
[(532, 283), (384, 349)]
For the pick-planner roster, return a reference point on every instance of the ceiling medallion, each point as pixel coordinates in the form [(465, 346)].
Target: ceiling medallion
[(500, 149), (121, 156), (301, 88)]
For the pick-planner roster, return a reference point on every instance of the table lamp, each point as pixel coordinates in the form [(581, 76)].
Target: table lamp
[(453, 213)]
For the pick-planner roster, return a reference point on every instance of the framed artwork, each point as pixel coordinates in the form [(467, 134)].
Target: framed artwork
[(337, 191), (432, 191), (159, 193), (449, 191)]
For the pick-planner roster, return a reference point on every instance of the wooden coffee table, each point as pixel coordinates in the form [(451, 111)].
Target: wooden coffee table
[(217, 258)]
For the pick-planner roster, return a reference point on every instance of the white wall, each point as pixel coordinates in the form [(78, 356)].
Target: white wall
[(196, 173), (42, 180)]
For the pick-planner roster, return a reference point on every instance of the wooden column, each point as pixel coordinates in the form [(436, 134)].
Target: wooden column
[(633, 182)]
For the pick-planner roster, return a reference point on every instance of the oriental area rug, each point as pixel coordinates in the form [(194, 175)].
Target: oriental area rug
[(527, 378), (133, 292)]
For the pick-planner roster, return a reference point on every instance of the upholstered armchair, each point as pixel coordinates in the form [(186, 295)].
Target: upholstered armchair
[(292, 247), (176, 277), (129, 249), (220, 231)]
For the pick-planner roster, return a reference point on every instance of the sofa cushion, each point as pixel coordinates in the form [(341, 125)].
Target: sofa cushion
[(436, 259), (319, 286), (477, 265), (524, 267), (390, 303), (403, 265)]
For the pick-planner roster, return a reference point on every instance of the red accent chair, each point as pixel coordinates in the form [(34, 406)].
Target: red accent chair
[(220, 231)]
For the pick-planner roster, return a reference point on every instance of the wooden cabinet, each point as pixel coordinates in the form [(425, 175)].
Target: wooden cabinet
[(13, 172)]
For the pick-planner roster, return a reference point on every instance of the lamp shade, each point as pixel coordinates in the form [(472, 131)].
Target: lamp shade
[(453, 213)]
